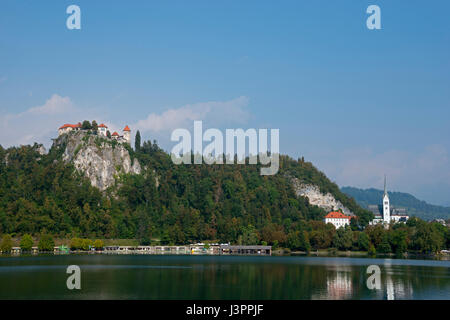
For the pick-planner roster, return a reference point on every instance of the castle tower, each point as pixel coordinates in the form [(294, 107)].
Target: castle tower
[(126, 134), (102, 128), (386, 209)]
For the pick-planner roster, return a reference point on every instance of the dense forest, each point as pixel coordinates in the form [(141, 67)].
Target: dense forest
[(176, 204), (414, 206)]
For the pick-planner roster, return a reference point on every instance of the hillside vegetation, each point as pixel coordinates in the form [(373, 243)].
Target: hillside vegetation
[(173, 203)]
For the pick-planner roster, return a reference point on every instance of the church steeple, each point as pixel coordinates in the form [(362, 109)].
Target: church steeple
[(386, 208)]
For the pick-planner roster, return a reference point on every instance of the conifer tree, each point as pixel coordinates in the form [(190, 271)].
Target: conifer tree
[(137, 141)]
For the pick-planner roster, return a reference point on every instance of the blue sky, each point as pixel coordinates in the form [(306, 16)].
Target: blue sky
[(358, 103)]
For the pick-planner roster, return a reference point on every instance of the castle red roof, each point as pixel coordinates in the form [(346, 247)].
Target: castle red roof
[(103, 126), (337, 215), (126, 128), (67, 125), (115, 133)]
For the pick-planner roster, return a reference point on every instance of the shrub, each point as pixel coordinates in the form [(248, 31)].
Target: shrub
[(76, 244), (98, 244), (371, 251), (26, 243), (46, 243), (7, 243), (86, 244)]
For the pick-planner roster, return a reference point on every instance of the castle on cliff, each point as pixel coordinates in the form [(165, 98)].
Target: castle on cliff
[(102, 130)]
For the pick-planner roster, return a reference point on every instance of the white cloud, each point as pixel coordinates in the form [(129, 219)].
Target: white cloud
[(56, 104), (214, 112), (40, 123)]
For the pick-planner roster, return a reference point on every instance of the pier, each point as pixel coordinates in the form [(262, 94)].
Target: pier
[(195, 249)]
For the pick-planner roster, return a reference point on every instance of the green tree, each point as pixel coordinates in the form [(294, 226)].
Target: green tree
[(46, 242), (86, 125), (26, 243), (86, 244), (137, 141), (293, 241), (249, 236), (7, 243), (298, 240), (94, 126), (384, 246), (363, 241), (108, 134), (98, 244), (427, 237), (165, 237), (371, 251), (304, 241), (343, 238), (76, 244), (399, 240)]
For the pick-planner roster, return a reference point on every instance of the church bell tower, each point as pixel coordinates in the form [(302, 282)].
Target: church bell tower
[(386, 209)]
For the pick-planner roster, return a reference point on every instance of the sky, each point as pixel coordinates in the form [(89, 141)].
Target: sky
[(358, 103)]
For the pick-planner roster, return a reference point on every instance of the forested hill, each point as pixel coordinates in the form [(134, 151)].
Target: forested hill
[(414, 206), (172, 203)]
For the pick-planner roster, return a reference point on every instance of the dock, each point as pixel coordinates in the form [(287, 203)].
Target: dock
[(194, 249), (191, 250)]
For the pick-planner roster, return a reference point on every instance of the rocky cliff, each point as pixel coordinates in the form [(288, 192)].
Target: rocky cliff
[(99, 158), (317, 198)]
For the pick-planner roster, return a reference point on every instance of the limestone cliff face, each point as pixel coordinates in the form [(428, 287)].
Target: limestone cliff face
[(98, 158), (317, 198)]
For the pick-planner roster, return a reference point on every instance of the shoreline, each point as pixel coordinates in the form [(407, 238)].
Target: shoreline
[(276, 253)]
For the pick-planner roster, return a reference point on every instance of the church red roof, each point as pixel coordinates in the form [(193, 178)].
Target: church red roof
[(337, 215), (103, 126), (115, 133), (126, 128)]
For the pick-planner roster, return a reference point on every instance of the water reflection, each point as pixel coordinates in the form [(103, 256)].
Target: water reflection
[(395, 286), (338, 286), (397, 289), (198, 277)]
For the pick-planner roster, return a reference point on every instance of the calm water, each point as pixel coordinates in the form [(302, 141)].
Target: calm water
[(220, 277)]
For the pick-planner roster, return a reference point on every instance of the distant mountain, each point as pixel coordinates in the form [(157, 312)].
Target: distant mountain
[(415, 207)]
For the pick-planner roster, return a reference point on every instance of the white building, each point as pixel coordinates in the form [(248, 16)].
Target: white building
[(115, 136), (126, 134), (68, 127), (123, 138), (337, 219), (102, 129), (387, 214)]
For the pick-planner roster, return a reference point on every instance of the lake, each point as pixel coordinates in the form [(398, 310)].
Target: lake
[(220, 277)]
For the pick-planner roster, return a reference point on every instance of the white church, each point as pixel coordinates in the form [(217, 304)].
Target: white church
[(102, 130), (386, 214)]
